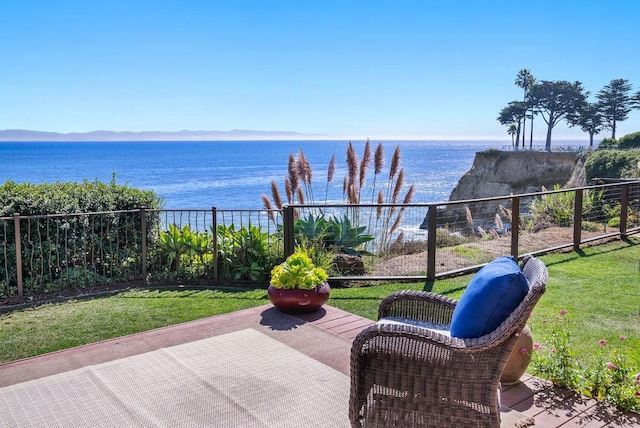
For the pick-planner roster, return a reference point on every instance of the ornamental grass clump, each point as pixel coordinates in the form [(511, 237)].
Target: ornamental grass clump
[(298, 271)]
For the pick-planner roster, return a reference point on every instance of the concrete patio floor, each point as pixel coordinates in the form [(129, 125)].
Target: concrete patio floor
[(329, 343)]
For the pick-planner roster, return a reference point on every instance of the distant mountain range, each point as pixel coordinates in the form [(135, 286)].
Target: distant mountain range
[(19, 135)]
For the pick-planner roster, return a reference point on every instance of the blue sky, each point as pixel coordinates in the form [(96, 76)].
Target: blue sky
[(354, 69)]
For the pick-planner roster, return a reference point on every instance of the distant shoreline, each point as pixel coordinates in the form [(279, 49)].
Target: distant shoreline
[(27, 136), (20, 135)]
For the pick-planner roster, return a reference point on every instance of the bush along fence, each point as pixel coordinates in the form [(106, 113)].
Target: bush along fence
[(48, 253)]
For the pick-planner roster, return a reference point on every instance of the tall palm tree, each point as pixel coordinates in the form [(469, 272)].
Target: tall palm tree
[(525, 80)]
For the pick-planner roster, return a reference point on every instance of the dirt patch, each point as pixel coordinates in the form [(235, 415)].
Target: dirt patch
[(465, 255)]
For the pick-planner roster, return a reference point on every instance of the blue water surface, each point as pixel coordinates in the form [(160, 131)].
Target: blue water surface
[(231, 174)]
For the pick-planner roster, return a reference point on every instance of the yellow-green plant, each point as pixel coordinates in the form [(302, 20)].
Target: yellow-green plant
[(298, 271)]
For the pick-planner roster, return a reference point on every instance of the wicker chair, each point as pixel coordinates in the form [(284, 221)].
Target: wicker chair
[(408, 375)]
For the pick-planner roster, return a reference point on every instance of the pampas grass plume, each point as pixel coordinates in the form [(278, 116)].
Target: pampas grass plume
[(395, 162), (288, 188), (276, 195), (378, 159), (331, 169)]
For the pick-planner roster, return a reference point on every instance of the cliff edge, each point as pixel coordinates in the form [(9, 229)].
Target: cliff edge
[(498, 173)]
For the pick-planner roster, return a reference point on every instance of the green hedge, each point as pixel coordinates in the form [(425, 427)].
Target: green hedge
[(629, 141), (59, 252), (613, 164), (70, 197)]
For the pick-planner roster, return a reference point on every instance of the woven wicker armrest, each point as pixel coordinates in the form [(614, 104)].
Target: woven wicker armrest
[(419, 305), (381, 338)]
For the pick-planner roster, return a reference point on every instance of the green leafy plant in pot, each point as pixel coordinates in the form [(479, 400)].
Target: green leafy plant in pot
[(298, 285)]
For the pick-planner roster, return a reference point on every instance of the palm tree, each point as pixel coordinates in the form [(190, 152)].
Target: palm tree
[(512, 130), (525, 80), (513, 113)]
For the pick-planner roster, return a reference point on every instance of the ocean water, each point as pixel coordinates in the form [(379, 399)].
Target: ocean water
[(232, 174)]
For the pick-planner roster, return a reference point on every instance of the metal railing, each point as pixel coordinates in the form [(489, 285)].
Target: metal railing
[(47, 253)]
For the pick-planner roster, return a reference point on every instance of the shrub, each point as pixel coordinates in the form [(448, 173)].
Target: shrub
[(608, 377), (246, 253), (79, 250), (612, 164), (64, 198), (558, 208), (629, 141)]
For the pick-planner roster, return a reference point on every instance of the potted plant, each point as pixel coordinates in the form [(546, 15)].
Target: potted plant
[(298, 285)]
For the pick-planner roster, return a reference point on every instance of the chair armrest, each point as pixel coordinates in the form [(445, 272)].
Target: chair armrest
[(420, 305)]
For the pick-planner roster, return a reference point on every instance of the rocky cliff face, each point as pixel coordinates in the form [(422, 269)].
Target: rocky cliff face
[(497, 173)]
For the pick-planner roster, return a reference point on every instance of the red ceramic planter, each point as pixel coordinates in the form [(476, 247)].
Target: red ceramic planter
[(296, 301)]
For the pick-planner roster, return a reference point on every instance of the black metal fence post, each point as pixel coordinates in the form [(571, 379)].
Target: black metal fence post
[(577, 220), (143, 242), (16, 226), (624, 209), (214, 230), (288, 221), (515, 225), (432, 222)]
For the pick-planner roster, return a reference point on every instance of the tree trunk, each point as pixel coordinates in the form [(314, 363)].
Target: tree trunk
[(531, 131), (550, 124), (524, 128), (613, 130), (590, 139), (547, 145)]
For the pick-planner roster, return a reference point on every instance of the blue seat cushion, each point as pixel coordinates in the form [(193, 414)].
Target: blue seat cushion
[(492, 295)]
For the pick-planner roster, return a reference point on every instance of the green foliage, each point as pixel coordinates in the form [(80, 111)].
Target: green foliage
[(613, 164), (70, 197), (556, 360), (246, 253), (298, 271), (555, 208), (345, 237), (629, 141), (607, 143), (558, 208), (178, 242), (77, 250), (609, 378), (335, 235), (614, 213), (313, 228)]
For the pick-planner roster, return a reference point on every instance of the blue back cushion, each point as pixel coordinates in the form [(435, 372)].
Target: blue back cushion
[(493, 293)]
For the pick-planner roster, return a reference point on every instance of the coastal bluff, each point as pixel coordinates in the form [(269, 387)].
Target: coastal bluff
[(501, 173), (498, 173)]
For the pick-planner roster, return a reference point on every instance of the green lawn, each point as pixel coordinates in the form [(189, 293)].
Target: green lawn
[(598, 287)]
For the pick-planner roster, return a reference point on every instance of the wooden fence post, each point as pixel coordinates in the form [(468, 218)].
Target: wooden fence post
[(577, 220), (432, 220), (624, 209), (515, 225), (288, 225), (16, 226), (214, 227)]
